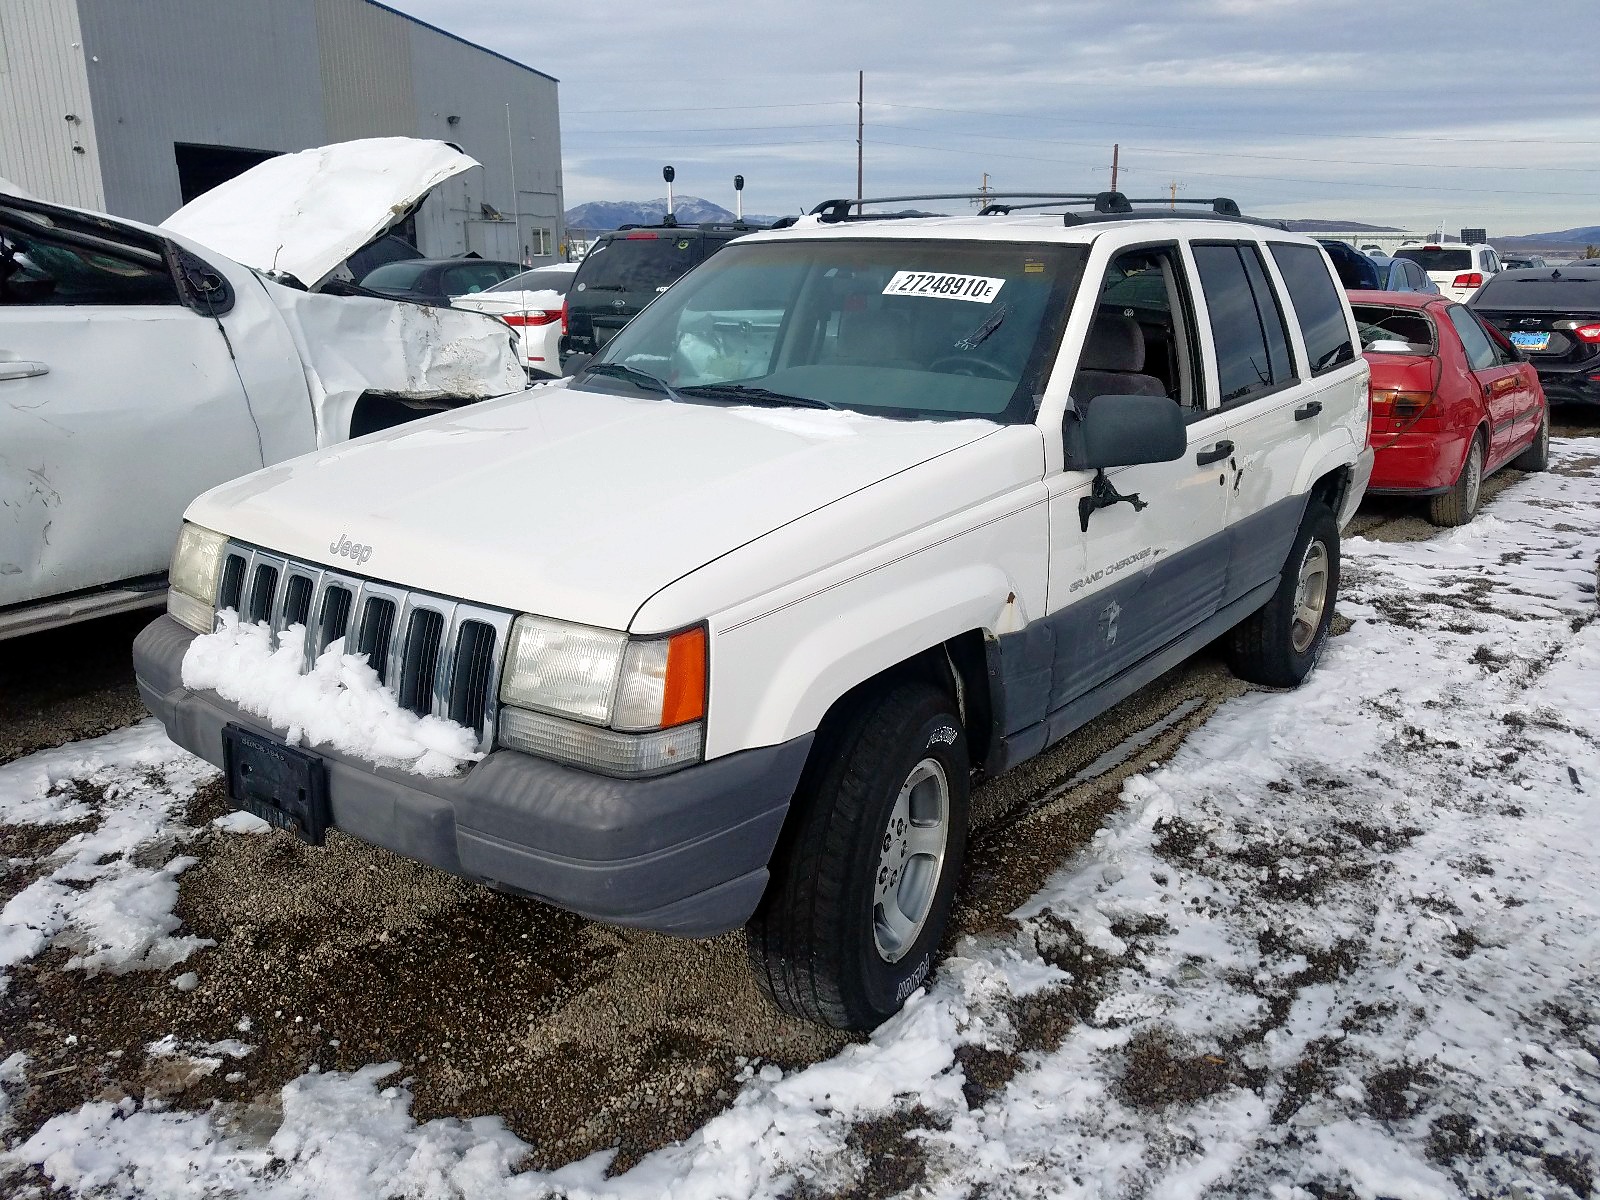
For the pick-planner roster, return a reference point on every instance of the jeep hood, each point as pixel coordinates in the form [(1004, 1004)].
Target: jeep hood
[(572, 504), (304, 214)]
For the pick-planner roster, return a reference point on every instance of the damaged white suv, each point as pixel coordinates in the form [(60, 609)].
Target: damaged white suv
[(722, 631), (141, 365)]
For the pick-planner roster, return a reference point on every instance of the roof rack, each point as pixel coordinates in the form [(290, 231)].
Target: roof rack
[(667, 224), (1107, 206)]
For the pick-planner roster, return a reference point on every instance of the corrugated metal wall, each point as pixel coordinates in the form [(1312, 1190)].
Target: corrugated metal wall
[(275, 76), (452, 78), (43, 81), (358, 101)]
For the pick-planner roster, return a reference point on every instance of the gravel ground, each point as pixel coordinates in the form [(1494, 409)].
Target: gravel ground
[(581, 1036)]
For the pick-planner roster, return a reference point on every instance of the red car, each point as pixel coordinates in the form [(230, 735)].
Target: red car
[(1452, 401)]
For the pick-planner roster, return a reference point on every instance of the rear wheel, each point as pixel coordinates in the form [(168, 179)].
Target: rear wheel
[(1280, 643), (1537, 456), (862, 887), (1460, 504)]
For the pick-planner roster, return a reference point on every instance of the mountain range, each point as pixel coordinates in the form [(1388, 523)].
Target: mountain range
[(688, 210)]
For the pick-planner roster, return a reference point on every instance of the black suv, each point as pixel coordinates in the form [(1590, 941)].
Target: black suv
[(625, 270), (1552, 315)]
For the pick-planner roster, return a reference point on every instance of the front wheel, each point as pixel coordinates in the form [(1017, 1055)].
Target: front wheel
[(1280, 643), (864, 881)]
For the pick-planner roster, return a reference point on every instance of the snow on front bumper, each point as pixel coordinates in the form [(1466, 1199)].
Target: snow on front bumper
[(684, 853)]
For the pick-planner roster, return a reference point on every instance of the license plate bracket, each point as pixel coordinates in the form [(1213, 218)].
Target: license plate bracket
[(283, 785)]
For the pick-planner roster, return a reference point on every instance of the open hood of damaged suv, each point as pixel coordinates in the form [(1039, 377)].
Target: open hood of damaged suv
[(573, 504), (303, 214)]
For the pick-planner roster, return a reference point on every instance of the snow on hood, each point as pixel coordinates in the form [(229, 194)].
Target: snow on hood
[(574, 504), (303, 214)]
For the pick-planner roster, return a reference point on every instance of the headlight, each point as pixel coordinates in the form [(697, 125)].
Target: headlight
[(632, 706), (192, 582)]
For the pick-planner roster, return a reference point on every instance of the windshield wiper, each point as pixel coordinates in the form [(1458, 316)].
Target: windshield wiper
[(624, 371), (605, 287), (754, 395)]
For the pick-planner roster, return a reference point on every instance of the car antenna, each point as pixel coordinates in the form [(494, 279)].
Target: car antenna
[(669, 175)]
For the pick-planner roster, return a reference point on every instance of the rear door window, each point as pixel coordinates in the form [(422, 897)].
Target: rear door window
[(1246, 322), (1317, 303), (1480, 350)]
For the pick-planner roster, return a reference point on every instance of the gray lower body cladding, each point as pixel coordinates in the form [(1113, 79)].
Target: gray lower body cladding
[(1067, 668), (685, 853)]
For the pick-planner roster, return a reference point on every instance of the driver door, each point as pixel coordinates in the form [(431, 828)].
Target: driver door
[(118, 405), (1126, 580)]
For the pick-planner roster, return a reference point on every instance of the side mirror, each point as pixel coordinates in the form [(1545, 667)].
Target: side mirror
[(1120, 431)]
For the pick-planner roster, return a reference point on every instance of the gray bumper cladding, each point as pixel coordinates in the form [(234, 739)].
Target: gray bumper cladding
[(685, 853)]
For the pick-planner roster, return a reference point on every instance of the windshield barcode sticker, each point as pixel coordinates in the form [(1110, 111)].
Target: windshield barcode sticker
[(978, 288)]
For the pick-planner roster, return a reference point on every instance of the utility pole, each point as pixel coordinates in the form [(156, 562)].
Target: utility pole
[(1173, 188), (983, 192), (861, 92), (1116, 151), (516, 213)]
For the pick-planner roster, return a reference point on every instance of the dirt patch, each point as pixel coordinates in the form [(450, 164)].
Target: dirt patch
[(1159, 1071), (1397, 1093)]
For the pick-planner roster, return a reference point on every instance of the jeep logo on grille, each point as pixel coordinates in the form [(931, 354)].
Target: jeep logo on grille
[(352, 550)]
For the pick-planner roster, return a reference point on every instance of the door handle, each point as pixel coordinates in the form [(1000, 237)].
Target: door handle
[(1308, 410), (22, 370), (1216, 454)]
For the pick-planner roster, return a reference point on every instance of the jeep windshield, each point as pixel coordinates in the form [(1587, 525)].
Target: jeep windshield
[(918, 329)]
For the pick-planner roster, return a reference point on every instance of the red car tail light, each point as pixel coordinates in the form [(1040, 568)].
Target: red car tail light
[(563, 317), (537, 316), (1471, 279), (1398, 405), (1588, 333)]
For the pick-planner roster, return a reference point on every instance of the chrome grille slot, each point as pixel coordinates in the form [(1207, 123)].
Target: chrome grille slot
[(471, 676), (231, 593), (262, 590), (334, 617), (297, 601), (439, 656), (376, 632), (420, 662)]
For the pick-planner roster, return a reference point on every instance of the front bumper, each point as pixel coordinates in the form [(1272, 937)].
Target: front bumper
[(685, 853)]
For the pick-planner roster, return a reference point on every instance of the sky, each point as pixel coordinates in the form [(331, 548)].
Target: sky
[(1435, 113)]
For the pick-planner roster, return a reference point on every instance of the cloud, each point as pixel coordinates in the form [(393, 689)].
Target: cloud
[(1391, 114)]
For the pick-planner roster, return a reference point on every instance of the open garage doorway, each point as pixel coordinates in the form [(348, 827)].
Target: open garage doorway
[(201, 168)]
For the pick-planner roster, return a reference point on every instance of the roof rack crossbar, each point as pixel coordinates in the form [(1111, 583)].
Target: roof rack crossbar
[(839, 209), (1221, 205)]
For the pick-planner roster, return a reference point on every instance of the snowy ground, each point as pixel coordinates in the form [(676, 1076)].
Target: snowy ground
[(1345, 942)]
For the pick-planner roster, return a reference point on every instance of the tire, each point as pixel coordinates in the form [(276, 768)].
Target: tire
[(1280, 643), (1460, 504), (819, 944), (1537, 456)]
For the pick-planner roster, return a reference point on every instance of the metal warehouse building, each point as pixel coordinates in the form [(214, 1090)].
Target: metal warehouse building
[(134, 108)]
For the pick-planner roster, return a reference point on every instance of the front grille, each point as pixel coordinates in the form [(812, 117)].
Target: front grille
[(439, 656)]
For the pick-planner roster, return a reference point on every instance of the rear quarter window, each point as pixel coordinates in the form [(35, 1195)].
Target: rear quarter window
[(1318, 304)]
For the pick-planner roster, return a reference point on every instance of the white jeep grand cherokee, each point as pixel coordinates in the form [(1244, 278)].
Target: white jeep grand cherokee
[(857, 513)]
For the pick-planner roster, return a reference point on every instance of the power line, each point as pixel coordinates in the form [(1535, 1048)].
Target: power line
[(1120, 124), (1357, 162), (1410, 187)]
